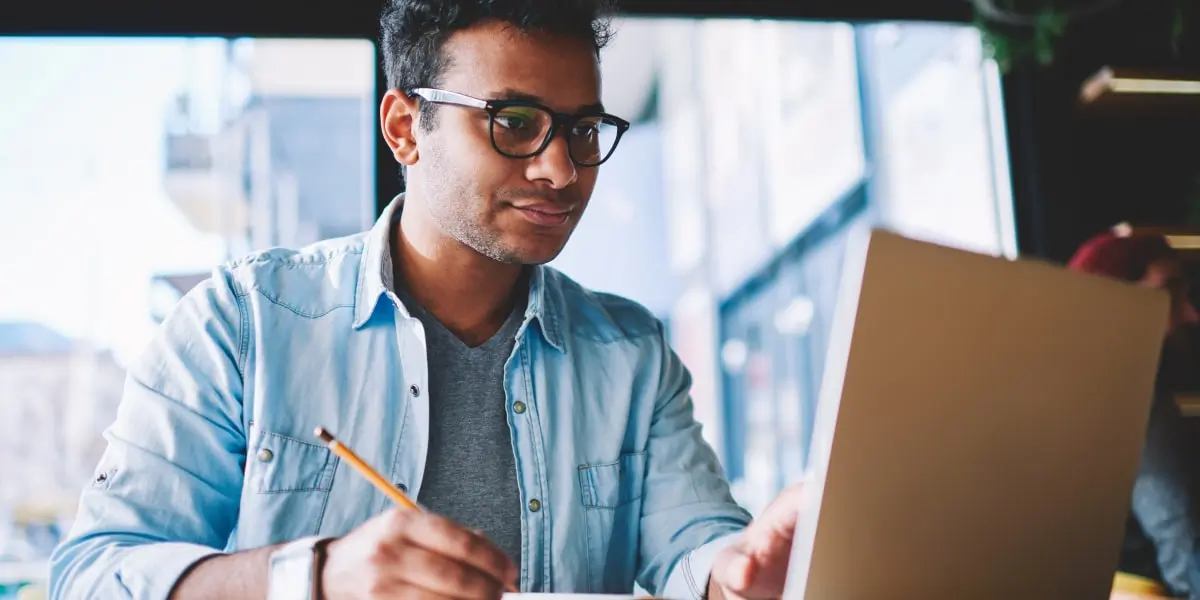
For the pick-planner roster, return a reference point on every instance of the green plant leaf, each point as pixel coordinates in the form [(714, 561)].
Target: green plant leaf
[(1050, 23), (1009, 45)]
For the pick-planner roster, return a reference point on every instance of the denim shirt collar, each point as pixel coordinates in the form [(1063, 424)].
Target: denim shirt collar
[(545, 304)]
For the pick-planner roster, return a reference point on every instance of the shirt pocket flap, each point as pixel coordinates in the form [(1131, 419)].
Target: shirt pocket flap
[(615, 484), (279, 463)]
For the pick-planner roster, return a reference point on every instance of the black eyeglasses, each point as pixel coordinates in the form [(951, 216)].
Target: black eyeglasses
[(521, 129)]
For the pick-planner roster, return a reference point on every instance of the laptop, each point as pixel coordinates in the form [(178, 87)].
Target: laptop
[(978, 431)]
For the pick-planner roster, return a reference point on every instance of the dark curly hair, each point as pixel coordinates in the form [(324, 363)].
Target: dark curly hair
[(413, 32)]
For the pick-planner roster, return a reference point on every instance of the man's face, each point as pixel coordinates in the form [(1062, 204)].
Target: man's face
[(1180, 347), (511, 210)]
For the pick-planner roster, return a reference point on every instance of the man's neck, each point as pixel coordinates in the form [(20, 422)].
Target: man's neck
[(470, 294)]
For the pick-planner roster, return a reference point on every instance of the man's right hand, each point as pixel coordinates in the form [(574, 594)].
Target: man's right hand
[(410, 554)]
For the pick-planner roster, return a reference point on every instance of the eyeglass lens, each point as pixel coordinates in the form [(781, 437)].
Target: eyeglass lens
[(521, 131)]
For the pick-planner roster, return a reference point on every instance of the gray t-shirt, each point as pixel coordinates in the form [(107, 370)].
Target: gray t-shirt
[(470, 471)]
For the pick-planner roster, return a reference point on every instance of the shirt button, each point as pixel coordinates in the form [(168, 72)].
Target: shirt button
[(414, 390), (403, 488), (535, 505), (519, 408), (265, 455)]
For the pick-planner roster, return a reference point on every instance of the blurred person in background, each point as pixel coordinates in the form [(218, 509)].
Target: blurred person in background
[(1164, 527)]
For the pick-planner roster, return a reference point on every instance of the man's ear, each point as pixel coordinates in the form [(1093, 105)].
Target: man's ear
[(397, 119)]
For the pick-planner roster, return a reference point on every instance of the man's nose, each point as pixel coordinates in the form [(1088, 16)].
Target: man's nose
[(554, 165)]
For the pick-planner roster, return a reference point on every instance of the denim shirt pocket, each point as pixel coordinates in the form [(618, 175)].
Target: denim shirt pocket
[(286, 489), (611, 495)]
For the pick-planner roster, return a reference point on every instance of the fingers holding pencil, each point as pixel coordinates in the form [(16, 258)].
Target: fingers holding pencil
[(434, 555), (402, 553)]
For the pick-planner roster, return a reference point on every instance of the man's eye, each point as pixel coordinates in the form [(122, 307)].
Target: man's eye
[(515, 119), (512, 122), (586, 130)]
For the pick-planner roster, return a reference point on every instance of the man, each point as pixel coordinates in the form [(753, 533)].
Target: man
[(546, 428), (1165, 496)]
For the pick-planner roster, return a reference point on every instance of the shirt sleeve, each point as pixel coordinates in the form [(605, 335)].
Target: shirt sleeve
[(167, 488), (1164, 497), (688, 513)]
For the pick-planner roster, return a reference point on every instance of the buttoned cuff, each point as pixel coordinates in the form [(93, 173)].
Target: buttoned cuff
[(152, 570), (689, 578)]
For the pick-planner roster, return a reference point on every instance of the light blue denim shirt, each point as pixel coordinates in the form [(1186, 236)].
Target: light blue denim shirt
[(213, 448)]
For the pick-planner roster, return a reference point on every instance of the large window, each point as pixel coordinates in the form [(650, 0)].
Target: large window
[(128, 169), (783, 134), (934, 168), (763, 143), (775, 333), (943, 173)]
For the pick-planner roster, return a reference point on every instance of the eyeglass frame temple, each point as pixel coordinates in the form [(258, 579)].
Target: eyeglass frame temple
[(447, 97)]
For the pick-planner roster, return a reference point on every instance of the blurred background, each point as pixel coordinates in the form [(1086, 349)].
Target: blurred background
[(138, 150)]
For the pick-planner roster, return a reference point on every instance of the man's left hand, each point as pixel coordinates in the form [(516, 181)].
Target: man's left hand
[(754, 567)]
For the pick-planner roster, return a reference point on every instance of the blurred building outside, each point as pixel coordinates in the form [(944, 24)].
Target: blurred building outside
[(293, 160), (289, 161), (56, 395)]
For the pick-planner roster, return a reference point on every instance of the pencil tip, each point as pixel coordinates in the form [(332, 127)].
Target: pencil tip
[(323, 434)]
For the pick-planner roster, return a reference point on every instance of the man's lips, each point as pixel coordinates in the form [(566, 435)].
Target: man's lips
[(546, 215)]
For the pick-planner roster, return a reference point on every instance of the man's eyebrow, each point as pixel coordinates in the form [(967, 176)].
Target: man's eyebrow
[(511, 94), (590, 109)]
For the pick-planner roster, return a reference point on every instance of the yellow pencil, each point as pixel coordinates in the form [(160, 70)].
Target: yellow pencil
[(372, 475)]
